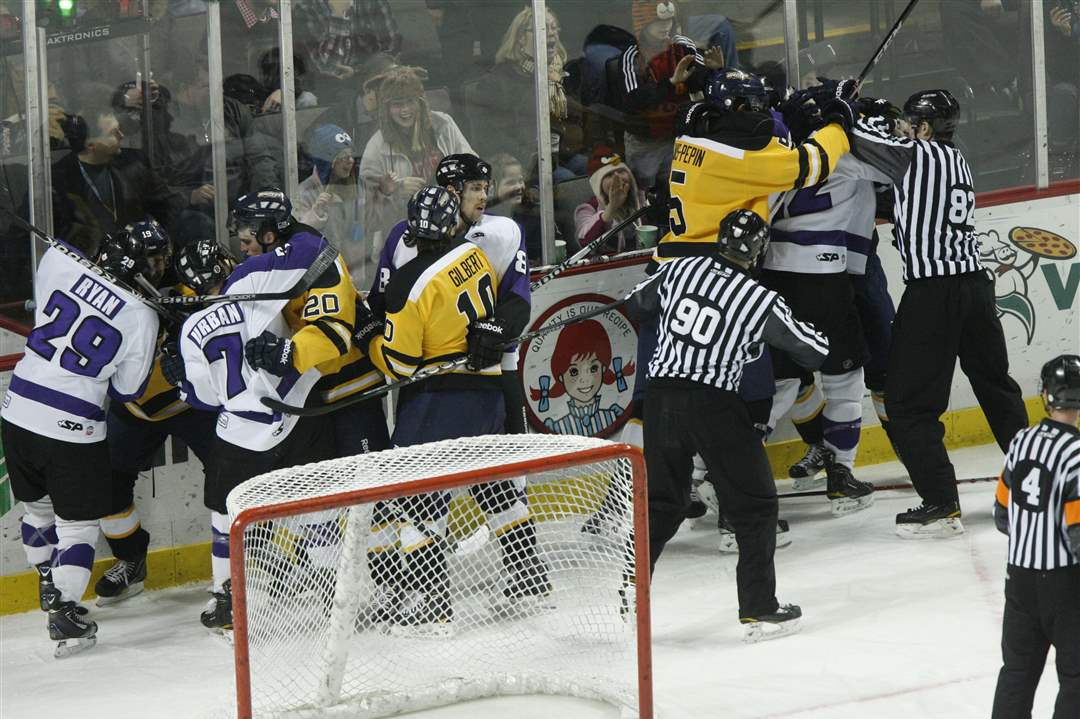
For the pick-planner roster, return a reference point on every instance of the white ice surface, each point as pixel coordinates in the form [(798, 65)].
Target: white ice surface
[(892, 629)]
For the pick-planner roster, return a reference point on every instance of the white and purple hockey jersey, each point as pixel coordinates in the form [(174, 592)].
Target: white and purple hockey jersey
[(212, 346), (501, 240), (827, 228), (90, 339)]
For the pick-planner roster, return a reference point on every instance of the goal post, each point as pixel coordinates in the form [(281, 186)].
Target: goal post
[(428, 575)]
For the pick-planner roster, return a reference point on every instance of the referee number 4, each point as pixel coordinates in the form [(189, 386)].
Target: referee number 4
[(1034, 487)]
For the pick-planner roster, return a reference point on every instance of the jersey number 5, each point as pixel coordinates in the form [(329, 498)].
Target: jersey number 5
[(676, 217)]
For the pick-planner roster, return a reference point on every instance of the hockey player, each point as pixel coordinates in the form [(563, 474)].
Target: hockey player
[(232, 354), (138, 429), (1038, 506), (713, 319), (947, 310), (821, 235), (91, 337), (439, 305)]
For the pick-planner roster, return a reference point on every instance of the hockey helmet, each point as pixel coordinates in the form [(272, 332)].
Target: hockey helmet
[(455, 170), (730, 90), (128, 252), (432, 217), (202, 265), (263, 211), (1060, 380), (743, 237), (936, 107)]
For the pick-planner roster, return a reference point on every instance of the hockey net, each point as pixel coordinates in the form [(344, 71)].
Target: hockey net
[(332, 606)]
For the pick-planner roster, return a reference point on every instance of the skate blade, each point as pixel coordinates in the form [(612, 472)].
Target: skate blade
[(808, 484), (521, 607), (764, 631), (938, 529), (70, 647), (221, 634), (435, 630), (847, 505), (473, 543), (130, 591), (730, 546)]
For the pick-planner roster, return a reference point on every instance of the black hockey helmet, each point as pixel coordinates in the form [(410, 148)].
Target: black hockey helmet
[(455, 170), (267, 210), (127, 253), (432, 217), (730, 90), (1060, 380), (202, 265), (743, 237), (937, 107)]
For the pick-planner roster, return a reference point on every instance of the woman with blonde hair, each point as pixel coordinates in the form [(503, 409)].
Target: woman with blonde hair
[(402, 155)]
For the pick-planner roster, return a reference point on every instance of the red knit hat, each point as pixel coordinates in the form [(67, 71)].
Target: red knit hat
[(602, 155), (643, 12)]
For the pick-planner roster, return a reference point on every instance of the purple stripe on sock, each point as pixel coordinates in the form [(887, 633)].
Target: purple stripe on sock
[(219, 547), (326, 534), (77, 555), (843, 435), (37, 536)]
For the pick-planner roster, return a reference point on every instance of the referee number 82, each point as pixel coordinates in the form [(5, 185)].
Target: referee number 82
[(695, 321)]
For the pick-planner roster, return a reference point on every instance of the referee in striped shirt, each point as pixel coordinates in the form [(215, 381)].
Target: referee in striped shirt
[(1038, 506), (947, 311), (712, 320)]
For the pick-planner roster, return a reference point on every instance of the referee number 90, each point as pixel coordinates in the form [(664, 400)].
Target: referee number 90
[(695, 321)]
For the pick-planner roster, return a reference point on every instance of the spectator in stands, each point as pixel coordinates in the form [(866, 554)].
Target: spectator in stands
[(501, 104), (616, 197), (339, 36), (654, 77), (402, 155), (983, 48), (507, 184), (1063, 84), (248, 29), (330, 201), (99, 187), (270, 77)]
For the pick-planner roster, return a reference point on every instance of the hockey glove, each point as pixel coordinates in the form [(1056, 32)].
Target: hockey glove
[(841, 112), (802, 115), (368, 327), (270, 352), (486, 339), (172, 365)]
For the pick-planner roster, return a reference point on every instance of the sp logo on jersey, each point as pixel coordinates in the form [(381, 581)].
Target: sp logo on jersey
[(70, 425), (828, 257), (580, 380)]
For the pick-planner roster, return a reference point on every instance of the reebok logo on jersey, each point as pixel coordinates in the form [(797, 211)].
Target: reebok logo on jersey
[(222, 316), (97, 296), (70, 425)]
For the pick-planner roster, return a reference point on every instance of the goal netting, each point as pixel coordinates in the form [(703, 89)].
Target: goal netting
[(428, 575)]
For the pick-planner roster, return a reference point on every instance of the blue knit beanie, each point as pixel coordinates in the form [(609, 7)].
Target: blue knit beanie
[(326, 142)]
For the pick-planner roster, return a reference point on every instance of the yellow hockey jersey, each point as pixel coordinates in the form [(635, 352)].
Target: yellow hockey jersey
[(430, 303), (739, 169)]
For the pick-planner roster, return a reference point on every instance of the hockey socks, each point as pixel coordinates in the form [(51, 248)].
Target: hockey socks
[(219, 549), (74, 557), (125, 535), (842, 417), (39, 532), (806, 414)]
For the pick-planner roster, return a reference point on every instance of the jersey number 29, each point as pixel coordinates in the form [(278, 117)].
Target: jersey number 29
[(90, 347)]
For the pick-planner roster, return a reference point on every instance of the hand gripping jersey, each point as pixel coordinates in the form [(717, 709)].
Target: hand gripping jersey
[(739, 167), (212, 345), (90, 338), (430, 303), (826, 228), (1040, 488), (502, 242)]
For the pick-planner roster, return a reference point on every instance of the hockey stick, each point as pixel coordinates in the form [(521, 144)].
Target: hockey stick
[(901, 485), (321, 264), (885, 43), (93, 266), (422, 374), (587, 249)]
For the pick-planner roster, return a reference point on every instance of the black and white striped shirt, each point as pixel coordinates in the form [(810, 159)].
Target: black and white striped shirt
[(713, 319), (1040, 489), (933, 200)]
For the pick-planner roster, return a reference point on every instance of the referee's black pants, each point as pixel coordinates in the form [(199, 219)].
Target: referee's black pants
[(939, 320), (684, 418), (1041, 608)]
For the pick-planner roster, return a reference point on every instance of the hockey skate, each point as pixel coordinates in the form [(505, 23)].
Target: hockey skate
[(384, 607), (805, 472), (121, 581), (73, 633), (217, 617), (728, 544), (785, 620), (847, 494), (424, 615), (929, 521), (697, 507)]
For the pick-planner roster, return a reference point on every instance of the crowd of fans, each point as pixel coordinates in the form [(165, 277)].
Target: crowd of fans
[(378, 108)]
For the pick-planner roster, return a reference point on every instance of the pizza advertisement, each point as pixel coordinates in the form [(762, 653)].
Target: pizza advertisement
[(1042, 243)]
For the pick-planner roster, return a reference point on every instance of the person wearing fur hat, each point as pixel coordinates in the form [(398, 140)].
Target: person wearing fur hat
[(616, 197), (329, 199), (402, 155), (656, 76)]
